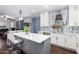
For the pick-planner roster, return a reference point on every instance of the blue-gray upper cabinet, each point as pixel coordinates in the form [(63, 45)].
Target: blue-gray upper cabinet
[(35, 24), (44, 19)]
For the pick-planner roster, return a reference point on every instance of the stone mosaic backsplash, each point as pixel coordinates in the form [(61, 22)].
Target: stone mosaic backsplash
[(73, 29), (69, 29)]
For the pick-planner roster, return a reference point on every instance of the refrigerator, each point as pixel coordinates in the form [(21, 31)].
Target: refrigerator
[(20, 25)]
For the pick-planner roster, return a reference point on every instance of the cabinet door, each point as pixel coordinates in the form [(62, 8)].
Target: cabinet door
[(61, 40), (41, 20), (77, 17), (70, 42), (77, 43), (54, 39), (44, 19), (73, 16), (77, 47)]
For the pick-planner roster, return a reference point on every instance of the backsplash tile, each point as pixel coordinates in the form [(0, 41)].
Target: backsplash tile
[(69, 29)]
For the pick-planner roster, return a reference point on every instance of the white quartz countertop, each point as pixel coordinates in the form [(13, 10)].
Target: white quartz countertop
[(35, 37)]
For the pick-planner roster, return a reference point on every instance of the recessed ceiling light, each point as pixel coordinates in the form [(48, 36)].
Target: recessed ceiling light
[(46, 6), (33, 11)]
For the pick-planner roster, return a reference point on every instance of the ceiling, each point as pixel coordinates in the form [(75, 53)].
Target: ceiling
[(27, 10)]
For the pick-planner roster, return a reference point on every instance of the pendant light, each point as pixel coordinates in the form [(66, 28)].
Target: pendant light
[(20, 13)]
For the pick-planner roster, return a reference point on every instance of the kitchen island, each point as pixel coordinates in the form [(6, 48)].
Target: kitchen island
[(33, 43)]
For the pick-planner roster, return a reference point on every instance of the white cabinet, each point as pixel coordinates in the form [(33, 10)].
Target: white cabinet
[(70, 41), (44, 19), (54, 39), (61, 40), (64, 40), (77, 43), (58, 39), (73, 16), (77, 16)]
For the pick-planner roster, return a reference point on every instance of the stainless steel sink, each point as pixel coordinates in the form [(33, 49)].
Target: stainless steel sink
[(46, 33)]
